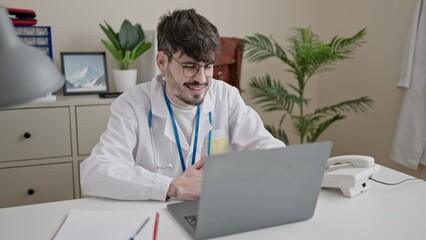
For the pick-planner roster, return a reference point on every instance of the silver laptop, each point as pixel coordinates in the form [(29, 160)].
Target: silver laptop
[(249, 190)]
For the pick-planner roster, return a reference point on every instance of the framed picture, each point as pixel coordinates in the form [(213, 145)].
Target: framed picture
[(85, 72)]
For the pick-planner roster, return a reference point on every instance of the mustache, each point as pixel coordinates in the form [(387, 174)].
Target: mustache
[(196, 84)]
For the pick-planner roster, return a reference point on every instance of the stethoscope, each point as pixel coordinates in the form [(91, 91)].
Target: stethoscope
[(175, 131)]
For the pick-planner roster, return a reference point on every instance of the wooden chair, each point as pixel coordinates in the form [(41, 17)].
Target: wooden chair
[(228, 68)]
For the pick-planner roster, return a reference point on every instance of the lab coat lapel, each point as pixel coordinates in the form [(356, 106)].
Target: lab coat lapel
[(205, 125), (204, 128), (159, 109)]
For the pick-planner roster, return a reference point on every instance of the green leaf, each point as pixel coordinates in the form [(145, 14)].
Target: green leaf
[(129, 35), (112, 35), (315, 132), (355, 105), (140, 49), (111, 48), (302, 126), (278, 133), (345, 47), (259, 47), (272, 95), (297, 90), (141, 34)]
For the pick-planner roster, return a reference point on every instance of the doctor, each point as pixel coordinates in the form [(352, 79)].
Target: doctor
[(160, 133)]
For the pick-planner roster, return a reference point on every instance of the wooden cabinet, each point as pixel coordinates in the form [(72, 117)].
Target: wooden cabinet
[(91, 123), (42, 145), (35, 133), (36, 184)]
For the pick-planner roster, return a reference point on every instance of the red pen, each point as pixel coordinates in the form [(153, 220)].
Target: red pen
[(157, 218)]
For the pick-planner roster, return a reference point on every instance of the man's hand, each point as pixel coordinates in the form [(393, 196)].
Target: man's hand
[(188, 185)]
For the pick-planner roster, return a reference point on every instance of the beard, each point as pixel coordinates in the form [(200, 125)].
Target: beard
[(179, 90)]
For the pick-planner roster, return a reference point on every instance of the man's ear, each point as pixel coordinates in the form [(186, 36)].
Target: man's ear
[(162, 61)]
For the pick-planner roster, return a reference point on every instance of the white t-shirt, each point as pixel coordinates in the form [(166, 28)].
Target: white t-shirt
[(185, 119)]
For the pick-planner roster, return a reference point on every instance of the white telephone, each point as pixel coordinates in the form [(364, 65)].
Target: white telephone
[(350, 173)]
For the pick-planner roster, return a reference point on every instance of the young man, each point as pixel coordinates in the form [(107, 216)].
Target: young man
[(160, 133)]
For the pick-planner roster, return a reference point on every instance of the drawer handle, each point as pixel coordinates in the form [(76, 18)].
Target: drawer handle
[(31, 191), (27, 135)]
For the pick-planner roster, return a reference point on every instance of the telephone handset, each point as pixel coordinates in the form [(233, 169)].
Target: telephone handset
[(359, 161), (350, 173)]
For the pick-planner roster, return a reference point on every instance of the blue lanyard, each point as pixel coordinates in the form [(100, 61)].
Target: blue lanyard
[(210, 135), (150, 127), (197, 125)]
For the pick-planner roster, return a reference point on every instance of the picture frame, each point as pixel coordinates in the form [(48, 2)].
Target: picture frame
[(84, 72)]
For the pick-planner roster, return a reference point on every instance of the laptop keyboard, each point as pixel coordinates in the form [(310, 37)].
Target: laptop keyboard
[(192, 220)]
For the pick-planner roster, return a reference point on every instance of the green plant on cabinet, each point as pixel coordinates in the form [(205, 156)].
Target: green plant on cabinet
[(126, 45)]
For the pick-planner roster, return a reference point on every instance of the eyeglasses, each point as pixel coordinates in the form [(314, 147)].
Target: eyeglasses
[(191, 69)]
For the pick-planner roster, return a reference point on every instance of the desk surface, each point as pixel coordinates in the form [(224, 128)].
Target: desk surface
[(384, 212)]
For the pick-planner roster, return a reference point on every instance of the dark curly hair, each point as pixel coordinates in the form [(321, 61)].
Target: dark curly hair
[(188, 32)]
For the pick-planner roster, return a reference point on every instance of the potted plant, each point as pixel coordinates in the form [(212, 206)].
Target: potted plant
[(125, 46), (306, 55)]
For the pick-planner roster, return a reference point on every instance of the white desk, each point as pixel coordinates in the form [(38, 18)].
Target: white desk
[(384, 212)]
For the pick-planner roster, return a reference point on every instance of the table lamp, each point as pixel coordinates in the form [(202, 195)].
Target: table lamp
[(25, 72)]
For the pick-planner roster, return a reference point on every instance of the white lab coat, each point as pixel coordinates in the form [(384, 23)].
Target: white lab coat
[(123, 166), (410, 136)]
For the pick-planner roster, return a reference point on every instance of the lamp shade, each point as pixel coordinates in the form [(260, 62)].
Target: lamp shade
[(25, 72)]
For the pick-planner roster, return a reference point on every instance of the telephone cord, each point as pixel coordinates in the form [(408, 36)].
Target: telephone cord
[(397, 183)]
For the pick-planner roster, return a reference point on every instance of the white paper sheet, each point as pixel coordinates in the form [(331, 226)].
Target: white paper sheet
[(111, 224)]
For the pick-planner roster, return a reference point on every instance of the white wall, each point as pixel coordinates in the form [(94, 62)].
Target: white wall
[(373, 71), (75, 23)]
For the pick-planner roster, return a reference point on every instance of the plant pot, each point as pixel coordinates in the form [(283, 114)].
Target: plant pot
[(124, 79)]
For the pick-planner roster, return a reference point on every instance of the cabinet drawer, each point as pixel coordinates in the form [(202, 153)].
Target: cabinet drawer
[(34, 133), (91, 123), (36, 184)]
